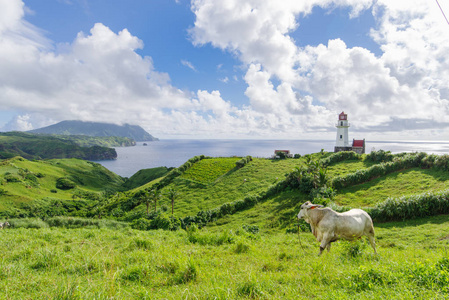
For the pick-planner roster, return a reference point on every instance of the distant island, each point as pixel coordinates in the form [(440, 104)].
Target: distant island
[(96, 129), (37, 146)]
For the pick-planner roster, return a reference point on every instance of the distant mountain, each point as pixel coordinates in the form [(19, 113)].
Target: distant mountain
[(134, 132), (35, 146)]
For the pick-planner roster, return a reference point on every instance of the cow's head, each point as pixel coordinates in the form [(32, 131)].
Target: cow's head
[(303, 213)]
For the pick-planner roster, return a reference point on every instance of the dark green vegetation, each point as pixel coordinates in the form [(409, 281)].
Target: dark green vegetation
[(89, 141), (32, 146), (133, 132), (247, 245), (144, 176)]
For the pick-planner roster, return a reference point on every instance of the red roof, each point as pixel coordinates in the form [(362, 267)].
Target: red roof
[(358, 143)]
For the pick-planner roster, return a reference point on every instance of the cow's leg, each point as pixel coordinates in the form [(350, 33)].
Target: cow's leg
[(372, 242), (328, 247), (370, 234), (325, 242)]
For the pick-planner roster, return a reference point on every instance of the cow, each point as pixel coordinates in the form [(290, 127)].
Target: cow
[(329, 226), (4, 224)]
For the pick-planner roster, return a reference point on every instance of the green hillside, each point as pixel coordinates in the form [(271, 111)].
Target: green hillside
[(32, 146), (89, 141), (96, 129), (268, 192), (242, 238), (29, 186), (211, 191), (144, 176)]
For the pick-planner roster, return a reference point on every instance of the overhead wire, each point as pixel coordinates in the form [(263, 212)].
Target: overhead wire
[(442, 11)]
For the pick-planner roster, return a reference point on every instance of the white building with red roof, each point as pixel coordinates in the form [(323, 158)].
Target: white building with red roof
[(342, 141)]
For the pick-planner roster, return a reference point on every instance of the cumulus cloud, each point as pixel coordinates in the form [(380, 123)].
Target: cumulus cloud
[(293, 91), (408, 84), (97, 77)]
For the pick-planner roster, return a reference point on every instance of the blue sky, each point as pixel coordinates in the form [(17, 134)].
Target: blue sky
[(228, 69)]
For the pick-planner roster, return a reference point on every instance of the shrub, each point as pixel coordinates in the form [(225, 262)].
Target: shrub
[(241, 163), (28, 223), (380, 156), (12, 178), (141, 224), (324, 193), (340, 156), (63, 183), (254, 229), (412, 207)]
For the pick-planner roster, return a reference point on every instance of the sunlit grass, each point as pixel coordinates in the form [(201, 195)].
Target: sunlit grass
[(130, 264), (402, 183)]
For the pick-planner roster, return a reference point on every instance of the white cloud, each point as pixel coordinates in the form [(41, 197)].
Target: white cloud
[(293, 91), (408, 82), (188, 64)]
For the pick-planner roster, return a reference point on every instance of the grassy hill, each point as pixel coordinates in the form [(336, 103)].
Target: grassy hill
[(29, 186), (211, 190), (144, 176), (216, 184), (250, 250), (32, 146)]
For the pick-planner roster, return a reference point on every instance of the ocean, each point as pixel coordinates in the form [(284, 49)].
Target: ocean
[(173, 153)]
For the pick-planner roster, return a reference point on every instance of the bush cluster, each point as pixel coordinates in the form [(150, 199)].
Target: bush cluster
[(412, 207), (241, 163), (399, 162), (205, 216), (64, 183), (380, 156), (49, 207), (159, 221), (340, 156)]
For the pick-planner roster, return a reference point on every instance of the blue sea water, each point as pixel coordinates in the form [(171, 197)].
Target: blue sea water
[(173, 153)]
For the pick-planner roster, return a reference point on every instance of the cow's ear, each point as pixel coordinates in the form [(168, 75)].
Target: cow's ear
[(315, 206)]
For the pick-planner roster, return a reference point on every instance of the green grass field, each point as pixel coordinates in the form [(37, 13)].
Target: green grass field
[(248, 254), (226, 263)]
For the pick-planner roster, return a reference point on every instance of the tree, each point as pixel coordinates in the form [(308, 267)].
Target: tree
[(155, 195), (143, 197), (172, 195)]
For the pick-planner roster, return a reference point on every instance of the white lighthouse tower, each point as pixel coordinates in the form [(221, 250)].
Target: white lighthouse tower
[(342, 143)]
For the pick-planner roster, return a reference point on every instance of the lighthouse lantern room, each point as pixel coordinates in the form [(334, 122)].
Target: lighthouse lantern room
[(342, 142)]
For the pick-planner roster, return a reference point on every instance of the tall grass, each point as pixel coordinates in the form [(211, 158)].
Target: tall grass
[(82, 263), (66, 222)]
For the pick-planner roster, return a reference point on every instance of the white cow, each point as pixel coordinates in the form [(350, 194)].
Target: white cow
[(329, 226)]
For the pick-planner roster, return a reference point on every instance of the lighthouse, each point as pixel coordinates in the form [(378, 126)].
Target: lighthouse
[(342, 142)]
